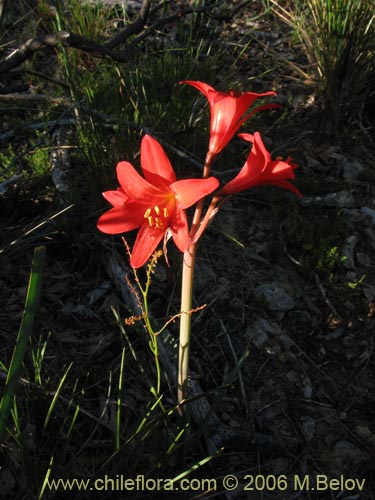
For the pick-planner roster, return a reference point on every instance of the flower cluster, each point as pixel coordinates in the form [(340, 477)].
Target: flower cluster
[(157, 202), (154, 203)]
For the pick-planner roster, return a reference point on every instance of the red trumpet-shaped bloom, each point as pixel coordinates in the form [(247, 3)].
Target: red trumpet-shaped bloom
[(153, 203), (260, 169), (228, 112)]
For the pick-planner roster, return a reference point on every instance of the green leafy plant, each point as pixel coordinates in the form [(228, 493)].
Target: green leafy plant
[(38, 160), (330, 259)]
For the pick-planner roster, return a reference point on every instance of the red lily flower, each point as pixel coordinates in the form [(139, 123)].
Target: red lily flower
[(260, 169), (228, 112), (153, 203)]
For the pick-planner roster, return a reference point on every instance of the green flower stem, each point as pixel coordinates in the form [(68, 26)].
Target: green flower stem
[(187, 294), (185, 321), (154, 348), (153, 340)]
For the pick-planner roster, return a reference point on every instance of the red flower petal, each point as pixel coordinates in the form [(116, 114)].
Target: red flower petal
[(155, 163), (135, 186), (153, 203), (119, 220), (247, 137), (255, 164), (116, 198), (228, 112), (202, 87), (259, 108), (189, 191), (224, 117), (180, 230), (259, 169), (145, 244)]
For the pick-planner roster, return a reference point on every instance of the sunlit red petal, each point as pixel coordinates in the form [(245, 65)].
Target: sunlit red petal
[(135, 186), (256, 163), (116, 198), (259, 169), (119, 220), (145, 244), (247, 137), (189, 191), (223, 118), (179, 229), (280, 170), (243, 103), (228, 112), (155, 203), (201, 86), (155, 164)]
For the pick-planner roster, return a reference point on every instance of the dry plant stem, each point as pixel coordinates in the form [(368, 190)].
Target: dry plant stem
[(187, 296)]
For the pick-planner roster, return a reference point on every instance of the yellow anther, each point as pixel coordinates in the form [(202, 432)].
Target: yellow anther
[(158, 223), (157, 220)]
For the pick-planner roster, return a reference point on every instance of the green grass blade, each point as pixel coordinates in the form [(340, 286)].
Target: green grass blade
[(195, 466), (119, 400), (31, 305), (76, 413), (56, 396), (46, 477)]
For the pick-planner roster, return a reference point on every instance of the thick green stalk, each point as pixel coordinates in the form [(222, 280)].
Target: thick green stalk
[(185, 321), (187, 294)]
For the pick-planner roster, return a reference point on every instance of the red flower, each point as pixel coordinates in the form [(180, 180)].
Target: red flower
[(260, 169), (153, 203), (228, 112)]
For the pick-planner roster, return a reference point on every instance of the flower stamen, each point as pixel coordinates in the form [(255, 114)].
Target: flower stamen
[(158, 223), (156, 217)]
